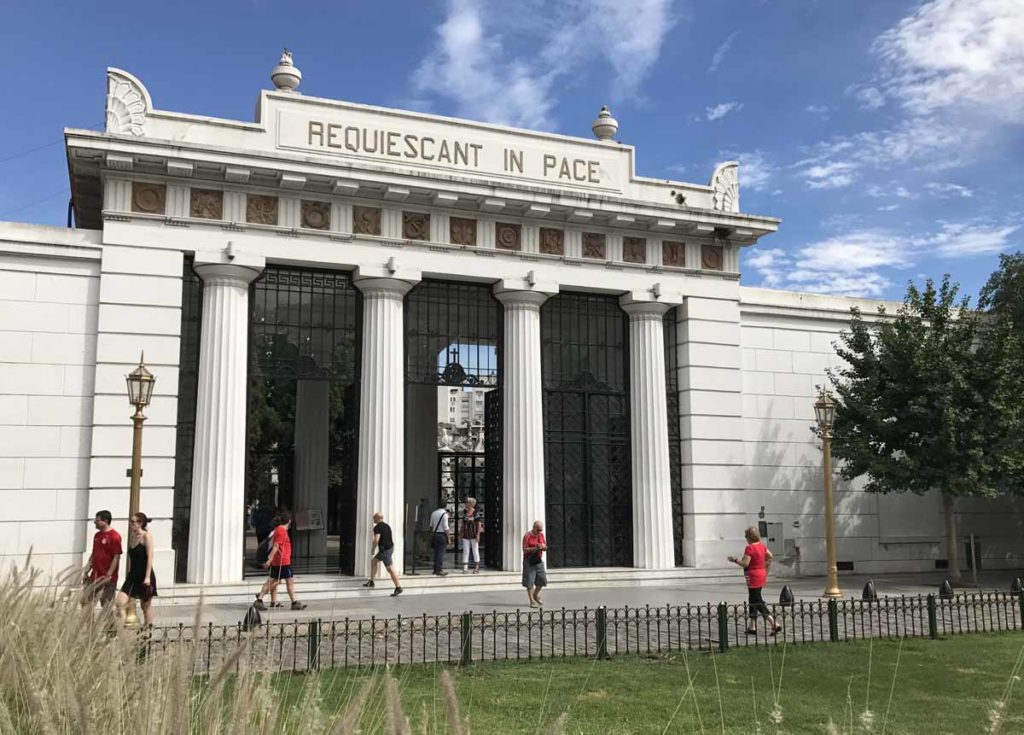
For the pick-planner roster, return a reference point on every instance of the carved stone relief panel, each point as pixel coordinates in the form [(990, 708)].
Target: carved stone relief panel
[(673, 253), (415, 226), (366, 220), (206, 204), (462, 231), (261, 210), (508, 236), (316, 215), (594, 245), (148, 198), (634, 249), (552, 241), (711, 257)]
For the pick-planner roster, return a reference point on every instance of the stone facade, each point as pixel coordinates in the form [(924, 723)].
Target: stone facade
[(746, 360)]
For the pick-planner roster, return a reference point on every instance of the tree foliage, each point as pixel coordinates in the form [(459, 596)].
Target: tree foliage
[(910, 406)]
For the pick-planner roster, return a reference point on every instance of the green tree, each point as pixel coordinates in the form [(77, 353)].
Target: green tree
[(910, 415), (1000, 363)]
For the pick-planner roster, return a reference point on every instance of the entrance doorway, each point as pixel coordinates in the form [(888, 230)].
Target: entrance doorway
[(451, 351), (303, 415), (587, 471)]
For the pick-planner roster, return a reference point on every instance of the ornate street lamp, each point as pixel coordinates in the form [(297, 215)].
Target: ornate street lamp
[(140, 389), (825, 415)]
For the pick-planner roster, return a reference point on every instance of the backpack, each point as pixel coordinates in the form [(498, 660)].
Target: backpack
[(252, 618)]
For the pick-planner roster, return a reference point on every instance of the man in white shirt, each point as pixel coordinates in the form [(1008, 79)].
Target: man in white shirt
[(441, 537)]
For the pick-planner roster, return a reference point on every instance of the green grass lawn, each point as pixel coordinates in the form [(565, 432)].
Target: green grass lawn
[(947, 686)]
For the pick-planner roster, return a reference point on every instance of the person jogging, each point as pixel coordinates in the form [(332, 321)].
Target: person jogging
[(755, 562)]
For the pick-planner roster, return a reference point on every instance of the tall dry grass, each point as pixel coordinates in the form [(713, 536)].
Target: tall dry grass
[(65, 669)]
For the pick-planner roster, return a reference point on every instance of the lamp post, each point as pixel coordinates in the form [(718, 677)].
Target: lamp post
[(825, 415), (140, 389)]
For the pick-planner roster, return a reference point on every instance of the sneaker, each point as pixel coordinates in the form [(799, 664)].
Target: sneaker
[(260, 605), (465, 571), (476, 571), (442, 573), (277, 604), (397, 592), (776, 630), (298, 605), (368, 583)]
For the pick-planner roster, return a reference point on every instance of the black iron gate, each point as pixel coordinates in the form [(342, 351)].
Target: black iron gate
[(588, 484), (304, 326), (493, 494), (675, 441)]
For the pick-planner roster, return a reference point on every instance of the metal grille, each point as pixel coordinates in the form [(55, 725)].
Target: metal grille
[(305, 325), (675, 440), (584, 343), (460, 319), (493, 495), (188, 377)]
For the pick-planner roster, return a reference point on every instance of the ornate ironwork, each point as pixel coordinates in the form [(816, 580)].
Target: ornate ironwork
[(588, 484), (493, 499), (675, 440), (305, 325), (452, 334), (188, 377)]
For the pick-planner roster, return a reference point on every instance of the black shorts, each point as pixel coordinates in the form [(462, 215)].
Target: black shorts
[(282, 572), (755, 603)]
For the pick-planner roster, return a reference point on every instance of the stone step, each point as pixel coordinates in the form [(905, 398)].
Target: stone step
[(326, 587)]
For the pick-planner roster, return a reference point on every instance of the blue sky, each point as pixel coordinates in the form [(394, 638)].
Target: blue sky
[(887, 135)]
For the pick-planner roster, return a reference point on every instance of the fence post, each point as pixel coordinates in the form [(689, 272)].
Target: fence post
[(602, 632), (467, 638), (313, 646), (833, 620), (933, 623), (1020, 601), (723, 627)]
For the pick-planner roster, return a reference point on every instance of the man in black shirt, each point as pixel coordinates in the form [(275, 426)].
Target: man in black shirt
[(384, 543)]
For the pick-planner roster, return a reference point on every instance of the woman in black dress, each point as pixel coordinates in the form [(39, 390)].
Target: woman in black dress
[(140, 581)]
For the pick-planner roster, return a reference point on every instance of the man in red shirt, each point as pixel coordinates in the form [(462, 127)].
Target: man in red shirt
[(535, 576), (280, 564), (100, 577)]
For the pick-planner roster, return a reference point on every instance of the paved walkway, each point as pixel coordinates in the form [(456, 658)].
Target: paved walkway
[(378, 602)]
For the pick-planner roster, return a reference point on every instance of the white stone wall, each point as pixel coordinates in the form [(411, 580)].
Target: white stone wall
[(787, 342), (49, 287), (139, 310)]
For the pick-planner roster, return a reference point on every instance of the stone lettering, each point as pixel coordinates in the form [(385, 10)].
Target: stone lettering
[(317, 129), (332, 134), (363, 140)]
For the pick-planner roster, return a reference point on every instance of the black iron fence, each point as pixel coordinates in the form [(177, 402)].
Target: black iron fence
[(587, 632)]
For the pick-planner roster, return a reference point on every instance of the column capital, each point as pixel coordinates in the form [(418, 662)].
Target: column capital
[(521, 297), (228, 267), (388, 287), (644, 309)]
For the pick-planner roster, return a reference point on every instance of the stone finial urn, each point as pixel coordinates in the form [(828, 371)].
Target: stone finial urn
[(605, 126), (286, 76)]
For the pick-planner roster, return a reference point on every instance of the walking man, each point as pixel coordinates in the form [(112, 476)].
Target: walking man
[(384, 543), (535, 576), (469, 531), (442, 536), (100, 578), (280, 564)]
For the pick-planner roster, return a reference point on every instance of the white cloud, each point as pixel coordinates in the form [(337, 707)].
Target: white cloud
[(894, 189), (868, 97), (958, 240), (756, 168), (822, 110), (829, 174), (719, 56), (966, 55), (888, 207), (721, 110), (949, 190), (500, 63), (858, 263)]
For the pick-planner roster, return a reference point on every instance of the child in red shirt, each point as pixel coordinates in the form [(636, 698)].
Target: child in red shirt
[(280, 564)]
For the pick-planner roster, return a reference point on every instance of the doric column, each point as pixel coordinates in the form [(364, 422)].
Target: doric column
[(522, 404), (652, 483), (217, 521), (381, 478)]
